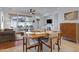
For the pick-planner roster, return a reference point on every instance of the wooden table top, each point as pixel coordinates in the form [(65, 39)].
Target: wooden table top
[(41, 35), (36, 35)]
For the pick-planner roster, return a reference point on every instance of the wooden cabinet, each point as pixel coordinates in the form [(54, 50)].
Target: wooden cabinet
[(70, 31), (7, 36)]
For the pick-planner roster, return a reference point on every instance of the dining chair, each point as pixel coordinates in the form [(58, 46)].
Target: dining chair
[(19, 35), (53, 39), (29, 43)]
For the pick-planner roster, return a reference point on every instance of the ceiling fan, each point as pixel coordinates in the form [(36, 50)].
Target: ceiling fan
[(32, 11)]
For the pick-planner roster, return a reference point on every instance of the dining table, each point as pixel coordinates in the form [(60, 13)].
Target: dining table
[(37, 36)]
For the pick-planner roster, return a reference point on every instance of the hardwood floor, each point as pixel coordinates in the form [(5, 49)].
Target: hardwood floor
[(7, 45), (66, 46)]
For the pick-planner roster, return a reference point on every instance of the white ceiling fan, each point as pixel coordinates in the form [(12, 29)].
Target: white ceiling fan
[(32, 12)]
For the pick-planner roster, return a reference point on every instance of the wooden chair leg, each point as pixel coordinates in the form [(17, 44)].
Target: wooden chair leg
[(58, 43), (41, 47), (51, 49), (38, 46), (35, 48), (23, 44), (38, 49), (58, 48), (51, 45), (26, 44)]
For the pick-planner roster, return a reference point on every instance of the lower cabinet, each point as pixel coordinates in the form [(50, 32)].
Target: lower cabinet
[(70, 31)]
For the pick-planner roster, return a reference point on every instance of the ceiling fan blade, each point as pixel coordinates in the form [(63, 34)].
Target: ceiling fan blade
[(33, 10), (33, 13)]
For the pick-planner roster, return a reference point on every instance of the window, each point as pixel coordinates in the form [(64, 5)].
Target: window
[(13, 21), (20, 23)]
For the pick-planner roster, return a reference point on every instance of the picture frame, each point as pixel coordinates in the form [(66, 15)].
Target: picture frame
[(71, 15)]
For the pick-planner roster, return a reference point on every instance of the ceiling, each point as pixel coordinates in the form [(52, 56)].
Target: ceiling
[(45, 11)]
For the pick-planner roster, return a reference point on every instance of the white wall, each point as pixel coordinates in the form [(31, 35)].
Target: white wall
[(1, 19), (6, 20)]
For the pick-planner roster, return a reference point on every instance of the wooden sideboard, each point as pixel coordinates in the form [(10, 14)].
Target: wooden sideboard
[(70, 31)]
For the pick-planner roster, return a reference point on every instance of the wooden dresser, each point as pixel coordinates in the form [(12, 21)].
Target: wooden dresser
[(70, 31)]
